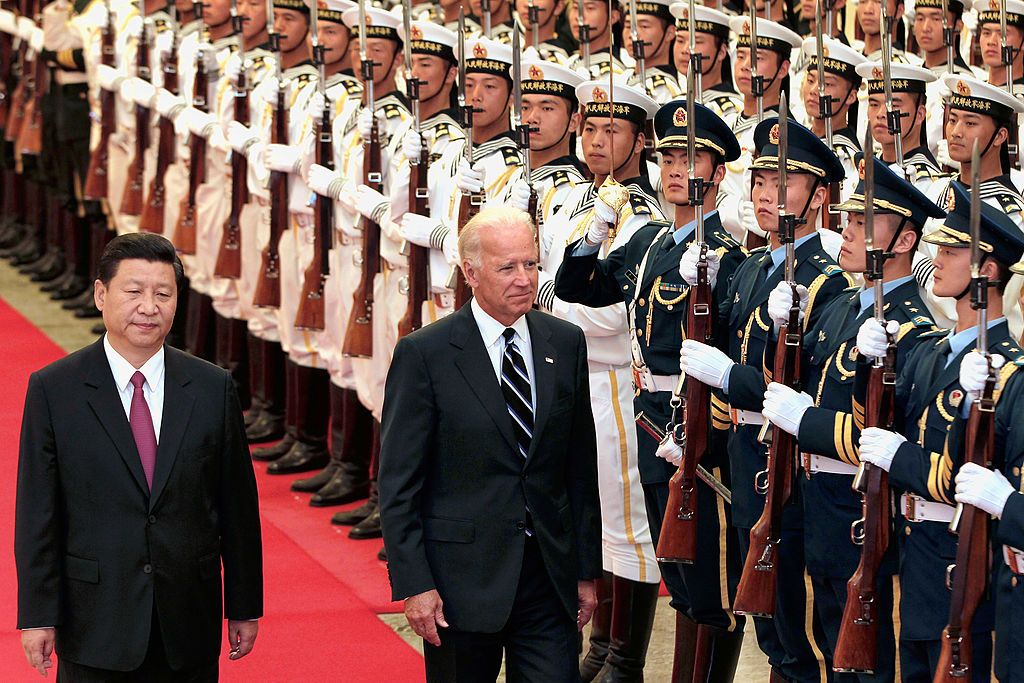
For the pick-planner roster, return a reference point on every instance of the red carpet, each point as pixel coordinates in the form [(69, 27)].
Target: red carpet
[(322, 591)]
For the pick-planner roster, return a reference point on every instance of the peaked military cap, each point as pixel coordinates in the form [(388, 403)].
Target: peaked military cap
[(711, 132), (806, 153), (893, 194), (631, 103), (1000, 237)]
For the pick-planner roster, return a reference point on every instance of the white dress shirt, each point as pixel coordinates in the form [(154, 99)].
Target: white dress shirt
[(491, 331), (152, 390)]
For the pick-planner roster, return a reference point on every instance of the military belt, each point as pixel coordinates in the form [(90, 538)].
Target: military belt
[(917, 509)]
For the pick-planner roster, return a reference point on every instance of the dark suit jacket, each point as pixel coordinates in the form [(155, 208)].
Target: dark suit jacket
[(454, 490), (97, 551)]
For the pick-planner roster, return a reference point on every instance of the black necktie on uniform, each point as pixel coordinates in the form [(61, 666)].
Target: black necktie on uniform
[(515, 385)]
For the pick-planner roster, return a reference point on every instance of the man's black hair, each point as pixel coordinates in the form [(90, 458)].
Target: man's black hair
[(146, 246)]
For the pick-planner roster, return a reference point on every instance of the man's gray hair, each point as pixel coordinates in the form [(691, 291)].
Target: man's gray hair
[(488, 219)]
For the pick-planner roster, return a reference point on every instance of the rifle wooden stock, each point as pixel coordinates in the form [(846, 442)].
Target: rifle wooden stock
[(419, 257), (152, 218), (95, 188), (678, 539), (469, 206), (268, 286), (6, 62), (132, 198), (756, 592), (229, 255), (310, 315), (16, 118), (970, 575), (185, 232), (856, 648), (30, 137), (359, 333)]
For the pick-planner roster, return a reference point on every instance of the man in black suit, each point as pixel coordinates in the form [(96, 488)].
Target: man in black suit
[(134, 486), (488, 473)]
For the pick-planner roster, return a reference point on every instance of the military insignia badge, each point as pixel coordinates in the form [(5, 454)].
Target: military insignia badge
[(599, 95), (821, 335), (860, 169), (679, 117), (746, 28), (853, 352), (479, 51), (956, 397), (416, 33), (876, 74), (773, 135), (962, 88), (950, 202), (536, 73)]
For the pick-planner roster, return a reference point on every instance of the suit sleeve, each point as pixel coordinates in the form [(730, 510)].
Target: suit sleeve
[(407, 436), (582, 473), (38, 523), (241, 542)]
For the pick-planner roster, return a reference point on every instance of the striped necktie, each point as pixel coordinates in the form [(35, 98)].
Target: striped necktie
[(515, 385)]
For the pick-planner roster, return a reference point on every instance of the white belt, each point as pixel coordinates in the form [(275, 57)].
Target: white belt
[(917, 509), (819, 463), (1014, 559), (746, 417), (643, 379)]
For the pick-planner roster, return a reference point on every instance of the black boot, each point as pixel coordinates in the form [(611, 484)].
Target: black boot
[(257, 390), (370, 526), (232, 354), (58, 282), (351, 444), (685, 646), (600, 630), (633, 605), (716, 654), (271, 423), (309, 452), (357, 515), (289, 400)]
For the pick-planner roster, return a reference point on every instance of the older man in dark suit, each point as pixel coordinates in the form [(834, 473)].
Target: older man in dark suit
[(488, 473), (134, 487)]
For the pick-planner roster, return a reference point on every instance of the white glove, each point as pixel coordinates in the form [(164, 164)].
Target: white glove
[(412, 144), (601, 226), (35, 40), (670, 451), (25, 26), (519, 195), (215, 136), (983, 488), (942, 151), (344, 190), (232, 68), (468, 179), (974, 372), (323, 180), (167, 102), (164, 42), (704, 363), (138, 91), (316, 105), (420, 229), (269, 84), (364, 123), (108, 77), (282, 158), (748, 218), (194, 120), (240, 136), (780, 301), (450, 248), (370, 203), (785, 407), (8, 22), (970, 20), (209, 55), (872, 340), (688, 265), (878, 446)]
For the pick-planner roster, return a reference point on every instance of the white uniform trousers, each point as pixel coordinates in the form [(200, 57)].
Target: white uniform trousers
[(296, 251), (262, 322)]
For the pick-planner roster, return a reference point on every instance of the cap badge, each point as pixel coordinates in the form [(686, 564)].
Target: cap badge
[(993, 5), (536, 73), (416, 33), (679, 117), (951, 202), (773, 135), (962, 88), (876, 74), (824, 50), (479, 51), (599, 95), (860, 169), (746, 28)]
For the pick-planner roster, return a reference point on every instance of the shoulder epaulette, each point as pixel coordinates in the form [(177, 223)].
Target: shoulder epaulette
[(392, 111), (353, 86), (511, 156), (922, 321), (938, 334)]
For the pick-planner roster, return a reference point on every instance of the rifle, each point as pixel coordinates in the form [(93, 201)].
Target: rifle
[(310, 315), (229, 255), (658, 434), (968, 578), (30, 137), (756, 591), (678, 539), (419, 256), (485, 10), (893, 116), (584, 32), (533, 20), (185, 231), (6, 72), (14, 103), (756, 79), (131, 200), (947, 39), (470, 203), (523, 130), (1007, 58), (152, 219), (359, 334), (96, 179), (830, 218), (856, 648), (268, 285)]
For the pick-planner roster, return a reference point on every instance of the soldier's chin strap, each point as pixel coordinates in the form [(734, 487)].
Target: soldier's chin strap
[(565, 132), (632, 153), (895, 236), (991, 283)]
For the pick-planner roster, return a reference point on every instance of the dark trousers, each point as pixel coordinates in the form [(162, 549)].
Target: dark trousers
[(154, 668), (539, 640), (918, 659), (829, 603)]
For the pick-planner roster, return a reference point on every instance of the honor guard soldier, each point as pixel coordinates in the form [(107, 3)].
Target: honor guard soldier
[(598, 53), (550, 45), (869, 21), (718, 92), (918, 454), (775, 48), (991, 40), (494, 24), (627, 594), (811, 167), (928, 32), (652, 275), (655, 29), (822, 416)]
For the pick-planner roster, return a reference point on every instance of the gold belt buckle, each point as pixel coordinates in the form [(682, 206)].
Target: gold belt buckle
[(910, 509)]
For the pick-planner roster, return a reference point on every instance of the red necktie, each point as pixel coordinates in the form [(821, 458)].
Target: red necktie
[(141, 422)]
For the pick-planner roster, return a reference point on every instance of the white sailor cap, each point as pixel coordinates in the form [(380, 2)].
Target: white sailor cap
[(428, 38), (657, 8), (379, 24), (487, 56), (839, 59), (970, 94), (903, 77), (631, 103), (988, 12), (705, 19), (770, 35), (541, 77), (331, 10)]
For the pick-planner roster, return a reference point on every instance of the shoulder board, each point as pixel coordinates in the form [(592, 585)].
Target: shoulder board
[(922, 321), (511, 156), (825, 264), (392, 110), (353, 86), (725, 239), (658, 79), (759, 250), (640, 202), (938, 334), (303, 78), (658, 224)]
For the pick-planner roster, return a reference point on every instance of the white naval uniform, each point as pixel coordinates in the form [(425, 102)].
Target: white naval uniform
[(121, 149)]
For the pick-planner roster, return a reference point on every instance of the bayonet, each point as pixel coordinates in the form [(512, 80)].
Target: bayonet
[(584, 31), (947, 36), (824, 99), (485, 9), (522, 129), (756, 79), (893, 116), (533, 19), (638, 46)]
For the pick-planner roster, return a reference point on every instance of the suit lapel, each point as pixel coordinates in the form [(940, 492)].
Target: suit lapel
[(106, 405), (475, 366), (544, 374), (178, 402)]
